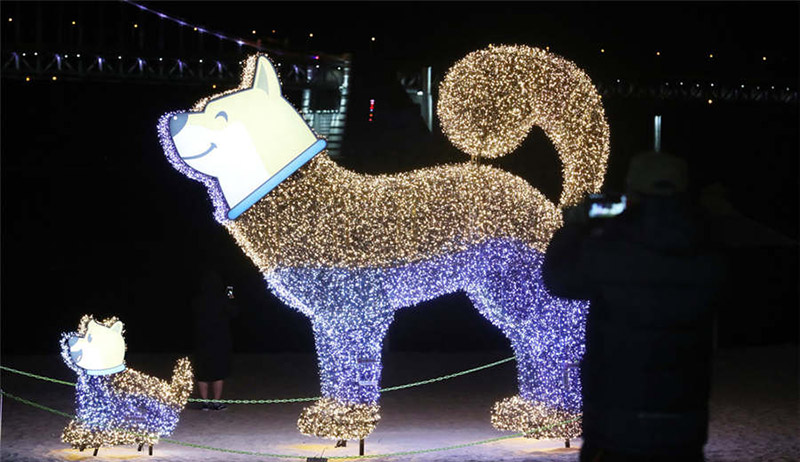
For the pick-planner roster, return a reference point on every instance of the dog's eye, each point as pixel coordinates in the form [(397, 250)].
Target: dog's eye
[(222, 114)]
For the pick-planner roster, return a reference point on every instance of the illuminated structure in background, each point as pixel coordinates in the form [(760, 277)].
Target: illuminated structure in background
[(348, 250), (116, 405)]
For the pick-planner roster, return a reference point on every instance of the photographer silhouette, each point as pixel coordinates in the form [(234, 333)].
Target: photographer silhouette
[(646, 369)]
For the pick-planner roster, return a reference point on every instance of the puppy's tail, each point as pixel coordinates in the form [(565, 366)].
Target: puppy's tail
[(491, 99), (182, 382)]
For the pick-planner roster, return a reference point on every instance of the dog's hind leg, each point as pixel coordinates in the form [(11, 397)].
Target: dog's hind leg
[(348, 342), (546, 334)]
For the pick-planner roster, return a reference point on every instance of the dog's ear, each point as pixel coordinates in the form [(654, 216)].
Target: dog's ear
[(117, 327), (266, 79)]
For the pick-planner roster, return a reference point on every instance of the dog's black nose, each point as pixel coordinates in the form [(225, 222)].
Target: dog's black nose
[(176, 123)]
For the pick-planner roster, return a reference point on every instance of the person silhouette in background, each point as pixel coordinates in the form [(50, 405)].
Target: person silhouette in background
[(651, 283), (212, 310)]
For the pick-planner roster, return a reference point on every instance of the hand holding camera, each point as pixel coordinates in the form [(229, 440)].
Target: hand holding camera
[(596, 206)]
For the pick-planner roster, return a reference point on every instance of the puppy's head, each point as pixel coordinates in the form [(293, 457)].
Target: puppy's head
[(97, 346)]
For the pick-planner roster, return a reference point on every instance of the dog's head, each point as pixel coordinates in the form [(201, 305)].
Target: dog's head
[(242, 137), (96, 348)]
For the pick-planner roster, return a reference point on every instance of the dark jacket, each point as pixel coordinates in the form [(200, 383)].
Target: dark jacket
[(646, 369), (211, 316)]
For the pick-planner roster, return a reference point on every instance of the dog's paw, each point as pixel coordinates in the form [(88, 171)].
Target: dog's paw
[(329, 418), (535, 420), (80, 436)]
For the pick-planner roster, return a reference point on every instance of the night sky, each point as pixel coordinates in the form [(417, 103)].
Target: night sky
[(94, 220)]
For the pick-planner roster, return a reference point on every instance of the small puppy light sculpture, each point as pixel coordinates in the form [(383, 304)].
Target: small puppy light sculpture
[(115, 404)]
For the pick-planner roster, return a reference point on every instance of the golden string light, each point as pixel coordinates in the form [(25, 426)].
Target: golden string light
[(325, 215), (173, 394), (536, 421), (536, 88), (327, 418)]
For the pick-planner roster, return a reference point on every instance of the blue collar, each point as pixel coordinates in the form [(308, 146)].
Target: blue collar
[(109, 371)]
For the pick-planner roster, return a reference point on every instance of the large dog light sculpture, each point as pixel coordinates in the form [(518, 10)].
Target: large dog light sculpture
[(348, 250)]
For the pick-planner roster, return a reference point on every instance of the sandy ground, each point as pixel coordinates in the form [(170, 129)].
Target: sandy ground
[(754, 411)]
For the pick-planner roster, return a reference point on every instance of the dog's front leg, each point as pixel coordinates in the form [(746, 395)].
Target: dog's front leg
[(348, 345)]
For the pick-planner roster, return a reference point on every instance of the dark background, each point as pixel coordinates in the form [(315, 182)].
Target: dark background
[(94, 220)]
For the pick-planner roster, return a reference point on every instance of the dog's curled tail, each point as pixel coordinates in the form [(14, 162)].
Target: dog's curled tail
[(182, 382), (490, 100)]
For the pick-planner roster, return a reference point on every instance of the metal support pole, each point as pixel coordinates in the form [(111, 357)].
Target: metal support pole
[(657, 133), (428, 92)]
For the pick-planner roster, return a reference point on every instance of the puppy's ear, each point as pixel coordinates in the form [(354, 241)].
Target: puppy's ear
[(117, 327), (266, 78)]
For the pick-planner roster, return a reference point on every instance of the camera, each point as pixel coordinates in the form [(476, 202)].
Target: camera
[(606, 205)]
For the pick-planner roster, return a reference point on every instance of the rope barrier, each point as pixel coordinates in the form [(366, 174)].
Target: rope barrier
[(290, 400), (28, 374), (297, 457)]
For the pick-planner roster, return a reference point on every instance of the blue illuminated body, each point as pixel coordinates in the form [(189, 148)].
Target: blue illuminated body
[(102, 407), (351, 310)]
